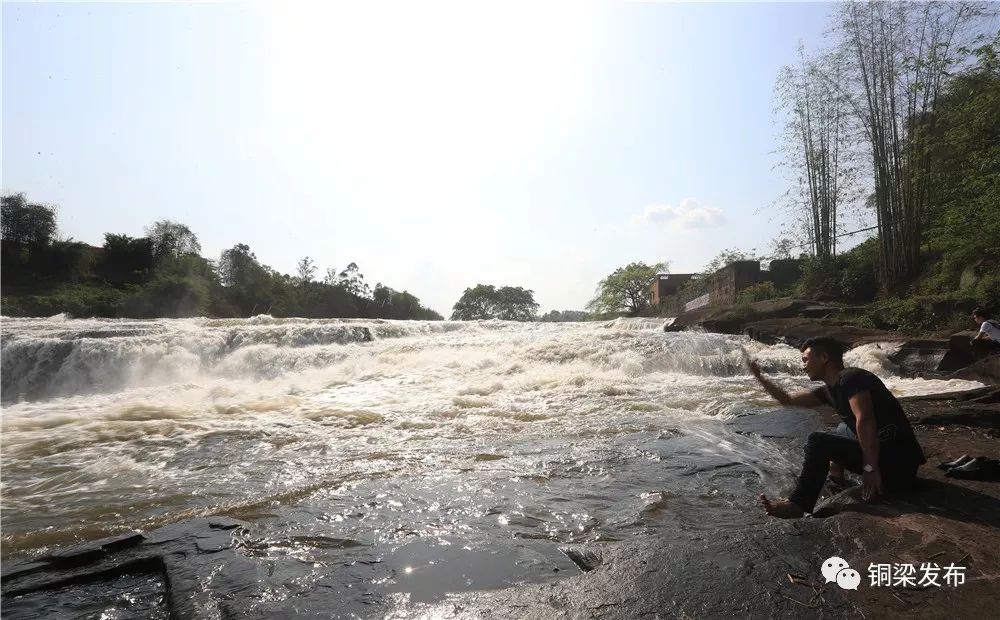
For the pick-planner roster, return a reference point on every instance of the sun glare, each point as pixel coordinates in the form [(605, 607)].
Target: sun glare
[(421, 97)]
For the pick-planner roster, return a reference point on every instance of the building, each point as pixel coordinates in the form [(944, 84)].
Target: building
[(664, 288), (669, 293)]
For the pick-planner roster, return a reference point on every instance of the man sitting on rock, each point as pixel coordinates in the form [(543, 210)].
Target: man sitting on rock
[(988, 339), (885, 453)]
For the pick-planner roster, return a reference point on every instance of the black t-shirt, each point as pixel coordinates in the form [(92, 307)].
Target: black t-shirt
[(895, 434)]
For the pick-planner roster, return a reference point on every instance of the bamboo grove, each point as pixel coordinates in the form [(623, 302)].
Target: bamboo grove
[(859, 120)]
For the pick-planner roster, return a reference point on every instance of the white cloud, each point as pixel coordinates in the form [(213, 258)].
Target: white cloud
[(689, 214)]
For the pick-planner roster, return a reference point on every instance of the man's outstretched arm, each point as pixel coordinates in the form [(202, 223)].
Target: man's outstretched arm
[(798, 399)]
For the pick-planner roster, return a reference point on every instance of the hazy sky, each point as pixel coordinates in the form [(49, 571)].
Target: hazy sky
[(438, 145)]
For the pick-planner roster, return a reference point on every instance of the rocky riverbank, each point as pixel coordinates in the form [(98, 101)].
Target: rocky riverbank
[(211, 568), (793, 321)]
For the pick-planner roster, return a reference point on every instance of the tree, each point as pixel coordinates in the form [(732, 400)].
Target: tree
[(126, 260), (555, 316), (27, 223), (171, 240), (727, 257), (625, 290), (965, 179), (306, 270), (816, 132), (248, 284), (514, 303), (353, 281), (475, 304), (781, 247), (238, 266), (900, 55), (330, 278), (390, 304), (485, 301), (170, 295)]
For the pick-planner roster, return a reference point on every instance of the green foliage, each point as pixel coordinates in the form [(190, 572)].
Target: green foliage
[(918, 315), (726, 257), (351, 280), (556, 316), (172, 240), (64, 261), (26, 223), (238, 267), (125, 259), (163, 275), (306, 270), (625, 290), (758, 292), (850, 276), (963, 214), (75, 300), (390, 304), (819, 278), (169, 296), (858, 277), (485, 301), (986, 292)]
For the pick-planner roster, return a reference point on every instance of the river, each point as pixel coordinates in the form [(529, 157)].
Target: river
[(464, 452)]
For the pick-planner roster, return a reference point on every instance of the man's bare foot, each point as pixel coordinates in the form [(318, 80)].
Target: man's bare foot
[(781, 508)]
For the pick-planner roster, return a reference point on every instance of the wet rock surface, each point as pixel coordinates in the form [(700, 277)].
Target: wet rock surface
[(214, 568), (772, 570)]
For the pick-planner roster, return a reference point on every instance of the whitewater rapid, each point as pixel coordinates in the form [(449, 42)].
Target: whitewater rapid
[(384, 432)]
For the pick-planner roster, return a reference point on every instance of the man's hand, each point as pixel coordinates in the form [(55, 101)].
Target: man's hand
[(799, 399), (871, 485)]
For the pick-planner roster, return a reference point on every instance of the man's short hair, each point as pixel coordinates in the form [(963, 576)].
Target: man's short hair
[(824, 344), (983, 312)]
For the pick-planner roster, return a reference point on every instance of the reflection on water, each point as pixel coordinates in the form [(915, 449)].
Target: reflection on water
[(460, 455)]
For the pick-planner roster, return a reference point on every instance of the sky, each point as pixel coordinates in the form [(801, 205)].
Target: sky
[(438, 145)]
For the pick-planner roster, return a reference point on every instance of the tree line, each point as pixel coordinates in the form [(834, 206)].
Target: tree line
[(163, 274)]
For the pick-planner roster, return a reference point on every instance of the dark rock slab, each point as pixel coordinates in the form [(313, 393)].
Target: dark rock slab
[(795, 331), (183, 557), (986, 370)]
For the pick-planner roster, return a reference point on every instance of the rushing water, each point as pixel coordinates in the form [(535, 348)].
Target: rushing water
[(410, 441)]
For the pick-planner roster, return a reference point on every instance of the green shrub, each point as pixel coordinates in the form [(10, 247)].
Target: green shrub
[(75, 300), (819, 279), (858, 272), (910, 315), (986, 292), (169, 296), (758, 292)]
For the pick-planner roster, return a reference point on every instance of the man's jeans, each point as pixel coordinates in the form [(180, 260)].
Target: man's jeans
[(821, 448)]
